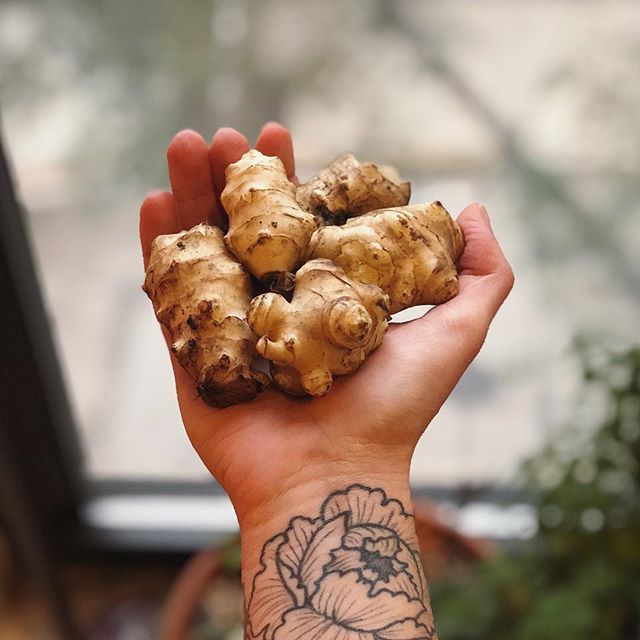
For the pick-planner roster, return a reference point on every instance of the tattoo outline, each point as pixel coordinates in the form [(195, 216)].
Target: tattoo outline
[(352, 573)]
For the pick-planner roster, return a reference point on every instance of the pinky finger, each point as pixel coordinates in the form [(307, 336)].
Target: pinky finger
[(158, 216)]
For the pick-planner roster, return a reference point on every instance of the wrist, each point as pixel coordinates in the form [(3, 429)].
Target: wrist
[(334, 554), (270, 501), (304, 497)]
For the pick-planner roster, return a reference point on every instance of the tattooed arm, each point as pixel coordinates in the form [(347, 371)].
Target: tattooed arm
[(320, 486), (349, 569)]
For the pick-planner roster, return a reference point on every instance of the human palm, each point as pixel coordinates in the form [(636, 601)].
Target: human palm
[(370, 420)]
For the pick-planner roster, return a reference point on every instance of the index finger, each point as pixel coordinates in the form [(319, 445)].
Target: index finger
[(158, 216)]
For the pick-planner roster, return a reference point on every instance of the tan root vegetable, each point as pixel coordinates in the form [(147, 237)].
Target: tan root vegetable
[(349, 188), (409, 252), (201, 294), (268, 230), (327, 329)]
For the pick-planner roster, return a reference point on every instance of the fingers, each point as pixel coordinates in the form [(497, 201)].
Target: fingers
[(486, 278), (482, 254), (227, 146), (275, 140), (158, 216), (190, 178)]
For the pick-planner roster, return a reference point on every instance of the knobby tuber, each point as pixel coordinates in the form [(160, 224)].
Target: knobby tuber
[(268, 230), (327, 329), (346, 241), (409, 252), (349, 188), (201, 294)]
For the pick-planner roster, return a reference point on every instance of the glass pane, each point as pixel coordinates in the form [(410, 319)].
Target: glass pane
[(541, 125)]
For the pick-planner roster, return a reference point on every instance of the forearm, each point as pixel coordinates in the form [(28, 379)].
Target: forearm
[(336, 557)]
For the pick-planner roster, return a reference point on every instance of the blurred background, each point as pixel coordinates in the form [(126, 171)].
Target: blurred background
[(530, 108)]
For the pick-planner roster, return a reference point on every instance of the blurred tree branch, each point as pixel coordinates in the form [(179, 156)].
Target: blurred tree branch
[(593, 227)]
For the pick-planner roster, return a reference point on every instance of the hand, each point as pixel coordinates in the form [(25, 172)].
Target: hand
[(267, 450)]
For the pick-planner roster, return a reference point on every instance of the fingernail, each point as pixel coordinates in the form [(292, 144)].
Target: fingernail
[(272, 123), (225, 131), (486, 215)]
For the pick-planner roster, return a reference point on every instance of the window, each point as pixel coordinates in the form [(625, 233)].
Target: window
[(542, 127)]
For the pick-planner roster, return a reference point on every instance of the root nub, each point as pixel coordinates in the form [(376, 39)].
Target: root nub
[(240, 390)]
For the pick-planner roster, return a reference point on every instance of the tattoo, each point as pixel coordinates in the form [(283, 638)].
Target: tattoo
[(352, 573)]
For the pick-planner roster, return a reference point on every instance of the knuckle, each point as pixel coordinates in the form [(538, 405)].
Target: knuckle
[(508, 277), (469, 324)]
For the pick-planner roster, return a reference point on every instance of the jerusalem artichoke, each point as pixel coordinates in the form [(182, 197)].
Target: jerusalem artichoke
[(268, 230), (349, 188), (328, 328), (201, 294), (409, 252)]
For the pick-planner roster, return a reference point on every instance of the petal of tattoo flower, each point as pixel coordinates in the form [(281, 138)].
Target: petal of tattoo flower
[(270, 599), (426, 620), (292, 552), (413, 567), (304, 623), (374, 538), (387, 547), (347, 600), (344, 560), (371, 506), (400, 583), (319, 552), (405, 630)]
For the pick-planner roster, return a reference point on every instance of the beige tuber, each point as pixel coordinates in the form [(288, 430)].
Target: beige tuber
[(349, 188), (409, 252), (327, 329), (268, 230), (201, 294)]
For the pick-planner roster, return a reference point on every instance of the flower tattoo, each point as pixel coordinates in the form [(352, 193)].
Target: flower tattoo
[(353, 573)]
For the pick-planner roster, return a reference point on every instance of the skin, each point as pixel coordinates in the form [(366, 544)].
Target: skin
[(366, 428)]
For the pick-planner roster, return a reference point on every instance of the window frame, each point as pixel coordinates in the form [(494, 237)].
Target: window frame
[(39, 440)]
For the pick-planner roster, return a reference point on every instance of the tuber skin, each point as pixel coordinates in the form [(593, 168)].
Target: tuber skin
[(201, 294), (327, 329), (268, 230), (409, 252), (348, 188)]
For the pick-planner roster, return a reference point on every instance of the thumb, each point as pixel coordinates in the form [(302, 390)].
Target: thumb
[(486, 278), (447, 338)]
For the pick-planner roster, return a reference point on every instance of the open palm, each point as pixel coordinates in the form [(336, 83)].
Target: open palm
[(369, 420)]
